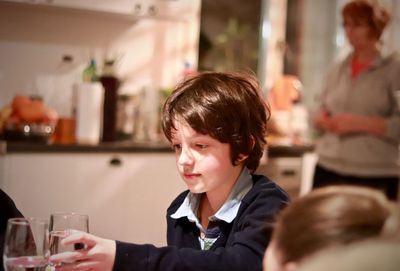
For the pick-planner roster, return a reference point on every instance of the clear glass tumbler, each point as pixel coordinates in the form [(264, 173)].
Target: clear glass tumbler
[(61, 225), (26, 244)]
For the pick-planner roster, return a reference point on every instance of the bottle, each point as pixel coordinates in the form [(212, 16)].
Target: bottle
[(110, 84), (66, 77), (90, 72)]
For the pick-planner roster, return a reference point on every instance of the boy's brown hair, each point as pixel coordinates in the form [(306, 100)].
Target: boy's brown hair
[(226, 106)]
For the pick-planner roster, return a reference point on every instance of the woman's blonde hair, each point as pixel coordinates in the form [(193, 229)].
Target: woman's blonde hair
[(334, 215)]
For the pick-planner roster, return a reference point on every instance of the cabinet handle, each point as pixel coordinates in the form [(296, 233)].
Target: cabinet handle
[(115, 162), (288, 172)]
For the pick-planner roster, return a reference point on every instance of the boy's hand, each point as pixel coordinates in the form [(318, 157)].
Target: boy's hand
[(98, 254)]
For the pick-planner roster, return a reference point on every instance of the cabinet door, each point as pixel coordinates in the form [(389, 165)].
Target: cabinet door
[(286, 172), (125, 195)]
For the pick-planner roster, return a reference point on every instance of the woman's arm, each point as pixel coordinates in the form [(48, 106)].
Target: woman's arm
[(346, 123), (322, 120), (386, 128)]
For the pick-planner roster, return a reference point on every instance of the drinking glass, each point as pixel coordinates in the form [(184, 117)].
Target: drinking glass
[(61, 225), (26, 244)]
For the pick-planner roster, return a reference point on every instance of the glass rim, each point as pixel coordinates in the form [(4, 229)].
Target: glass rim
[(68, 214), (26, 220)]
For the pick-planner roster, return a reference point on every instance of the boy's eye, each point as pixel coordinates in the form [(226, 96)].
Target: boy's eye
[(176, 147), (201, 146)]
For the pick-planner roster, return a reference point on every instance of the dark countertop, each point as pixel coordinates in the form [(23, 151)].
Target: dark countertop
[(128, 147), (288, 151)]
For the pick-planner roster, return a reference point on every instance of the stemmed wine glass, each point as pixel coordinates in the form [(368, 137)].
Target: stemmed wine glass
[(63, 224), (26, 244)]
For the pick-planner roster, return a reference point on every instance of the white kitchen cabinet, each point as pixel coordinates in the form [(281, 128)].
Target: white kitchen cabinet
[(292, 173), (285, 171), (158, 9), (124, 194)]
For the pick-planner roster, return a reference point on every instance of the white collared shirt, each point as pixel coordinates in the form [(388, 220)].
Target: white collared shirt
[(227, 212)]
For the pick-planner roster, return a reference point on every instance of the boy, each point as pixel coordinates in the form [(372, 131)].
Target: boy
[(216, 123)]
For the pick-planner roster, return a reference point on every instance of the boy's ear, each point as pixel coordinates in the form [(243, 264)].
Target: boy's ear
[(290, 266), (252, 142), (241, 158)]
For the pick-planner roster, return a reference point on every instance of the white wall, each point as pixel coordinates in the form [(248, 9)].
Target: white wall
[(33, 40)]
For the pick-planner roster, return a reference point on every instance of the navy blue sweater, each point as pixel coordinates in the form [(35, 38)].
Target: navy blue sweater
[(241, 245)]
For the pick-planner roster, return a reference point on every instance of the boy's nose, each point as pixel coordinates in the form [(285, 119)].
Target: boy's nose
[(185, 157)]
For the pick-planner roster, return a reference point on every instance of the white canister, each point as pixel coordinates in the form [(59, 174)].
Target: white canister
[(88, 102)]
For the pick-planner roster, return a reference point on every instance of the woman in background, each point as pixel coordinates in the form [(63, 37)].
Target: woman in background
[(326, 218), (359, 118)]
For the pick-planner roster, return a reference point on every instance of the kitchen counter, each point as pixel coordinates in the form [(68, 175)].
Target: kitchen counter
[(288, 151), (126, 147), (129, 147)]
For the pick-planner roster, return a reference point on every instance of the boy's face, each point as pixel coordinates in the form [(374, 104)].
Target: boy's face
[(203, 162)]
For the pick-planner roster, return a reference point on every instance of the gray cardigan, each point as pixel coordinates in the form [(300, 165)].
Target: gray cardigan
[(372, 94)]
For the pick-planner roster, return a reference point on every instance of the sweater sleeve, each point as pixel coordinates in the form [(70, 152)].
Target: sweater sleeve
[(243, 252), (393, 128), (393, 121)]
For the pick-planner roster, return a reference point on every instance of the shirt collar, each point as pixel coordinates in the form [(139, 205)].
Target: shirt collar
[(377, 61), (228, 210)]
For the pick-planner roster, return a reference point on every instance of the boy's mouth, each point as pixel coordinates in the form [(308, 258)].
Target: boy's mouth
[(191, 175)]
